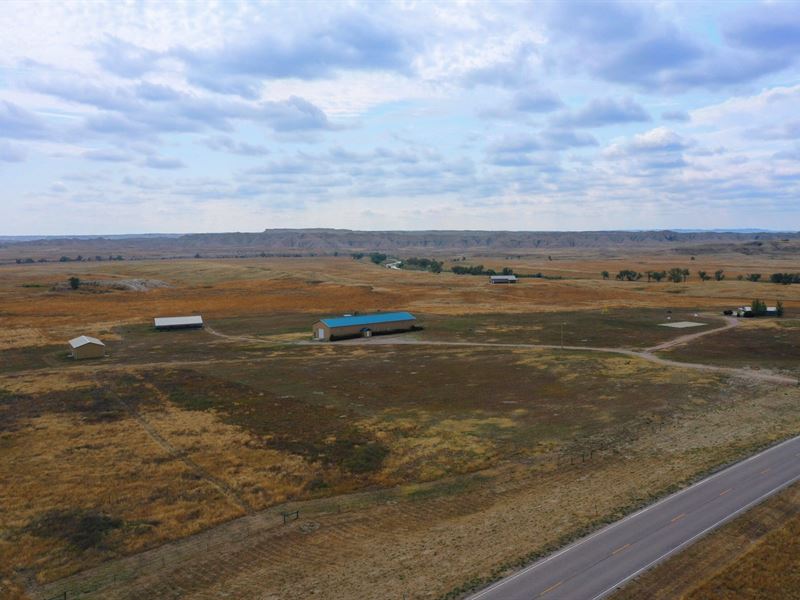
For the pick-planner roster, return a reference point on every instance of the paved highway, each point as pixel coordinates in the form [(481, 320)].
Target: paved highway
[(597, 565)]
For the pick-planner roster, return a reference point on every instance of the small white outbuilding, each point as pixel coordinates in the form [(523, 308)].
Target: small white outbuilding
[(86, 347), (502, 279), (167, 323)]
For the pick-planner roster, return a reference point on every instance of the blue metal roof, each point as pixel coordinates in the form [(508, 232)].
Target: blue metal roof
[(368, 319)]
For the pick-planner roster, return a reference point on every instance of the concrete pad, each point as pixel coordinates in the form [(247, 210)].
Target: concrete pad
[(682, 324)]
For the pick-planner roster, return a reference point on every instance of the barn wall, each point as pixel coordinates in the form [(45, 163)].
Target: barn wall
[(88, 351), (354, 330)]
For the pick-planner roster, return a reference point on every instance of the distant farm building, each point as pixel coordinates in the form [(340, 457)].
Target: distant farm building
[(747, 311), (363, 325), (86, 347), (503, 279), (167, 323)]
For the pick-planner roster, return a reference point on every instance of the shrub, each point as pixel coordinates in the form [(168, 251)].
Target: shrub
[(83, 529), (365, 458)]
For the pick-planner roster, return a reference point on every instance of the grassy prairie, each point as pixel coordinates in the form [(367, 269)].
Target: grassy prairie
[(757, 344), (401, 458), (256, 287), (616, 327), (297, 424)]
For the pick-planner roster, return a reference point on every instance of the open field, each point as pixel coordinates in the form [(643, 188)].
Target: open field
[(616, 327), (402, 458), (757, 343), (305, 423)]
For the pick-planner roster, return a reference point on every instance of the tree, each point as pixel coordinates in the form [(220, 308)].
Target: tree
[(719, 275), (685, 274), (675, 275), (74, 283), (658, 275), (759, 307), (428, 264), (628, 275), (604, 274), (703, 276), (779, 308), (785, 278), (377, 257), (753, 276)]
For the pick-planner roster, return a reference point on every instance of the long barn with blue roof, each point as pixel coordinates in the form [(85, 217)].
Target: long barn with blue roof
[(346, 326)]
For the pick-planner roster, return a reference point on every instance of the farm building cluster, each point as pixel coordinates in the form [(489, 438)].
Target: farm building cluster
[(327, 329), (748, 311), (86, 346)]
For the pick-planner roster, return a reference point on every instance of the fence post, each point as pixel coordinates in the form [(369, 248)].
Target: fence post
[(295, 515)]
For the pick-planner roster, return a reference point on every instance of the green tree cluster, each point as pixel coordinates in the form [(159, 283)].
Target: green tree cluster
[(785, 278), (377, 257), (628, 275), (427, 264)]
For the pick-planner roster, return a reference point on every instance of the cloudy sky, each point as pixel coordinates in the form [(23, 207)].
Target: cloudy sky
[(125, 117)]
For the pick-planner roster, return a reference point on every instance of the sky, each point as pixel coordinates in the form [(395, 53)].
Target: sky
[(130, 117)]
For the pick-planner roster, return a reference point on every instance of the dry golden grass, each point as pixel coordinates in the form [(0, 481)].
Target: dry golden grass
[(770, 569), (380, 549), (262, 476), (57, 462), (21, 337), (35, 383)]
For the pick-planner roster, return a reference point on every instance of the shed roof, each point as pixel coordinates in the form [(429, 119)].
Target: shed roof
[(368, 319), (83, 340), (178, 321), (504, 277)]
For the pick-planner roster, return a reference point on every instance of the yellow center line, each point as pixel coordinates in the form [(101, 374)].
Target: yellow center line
[(551, 588), (679, 517), (618, 550), (722, 493)]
